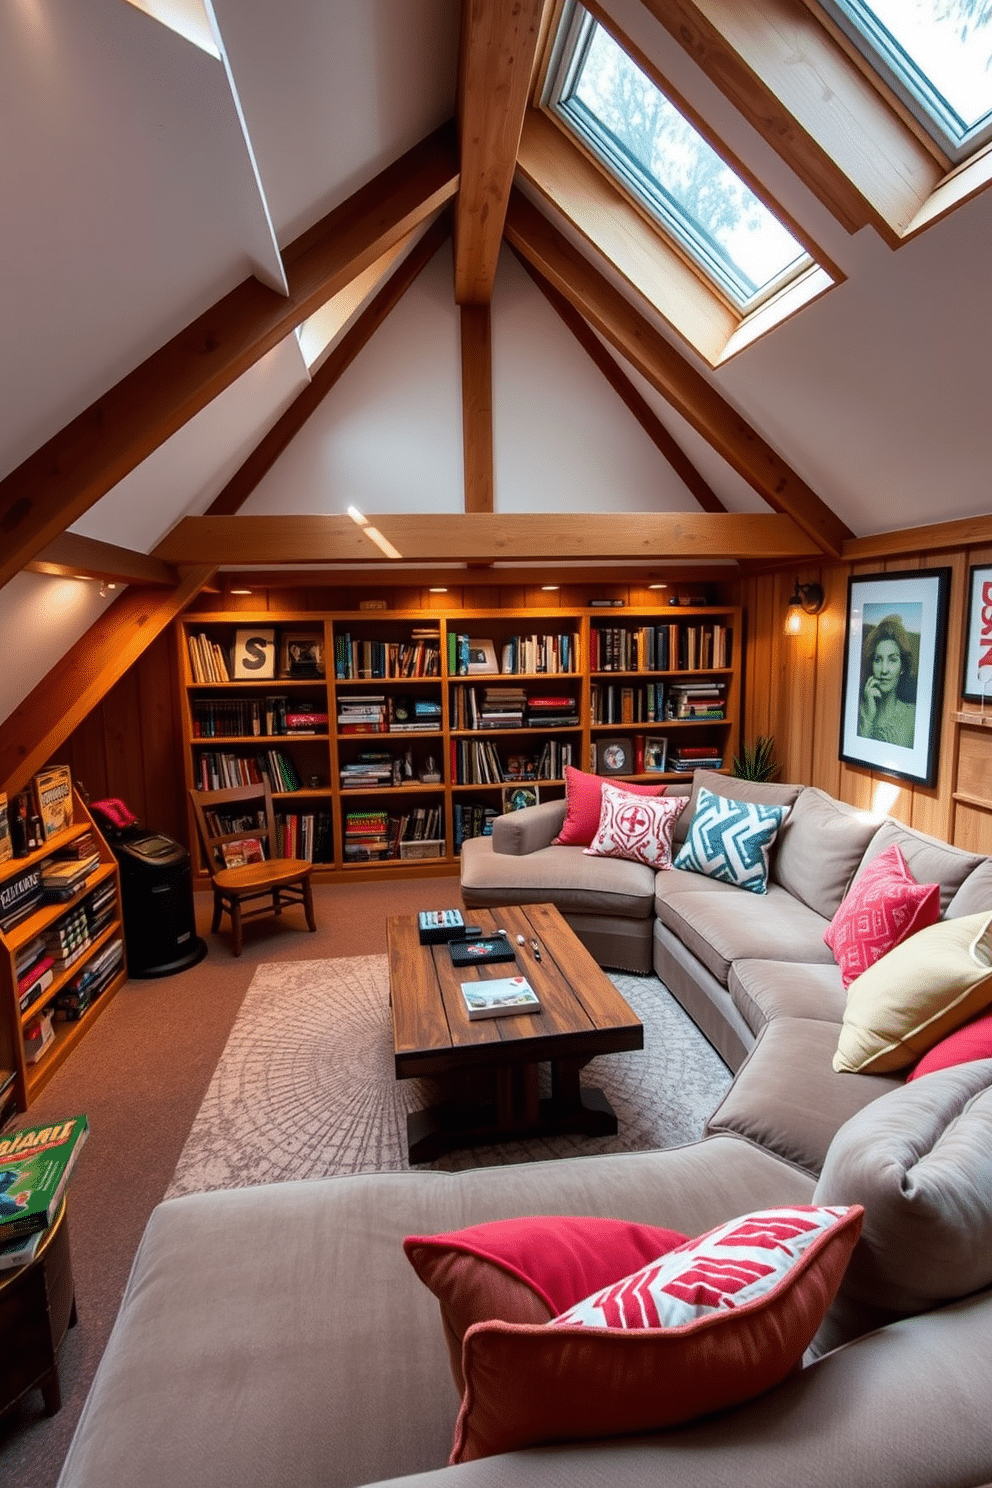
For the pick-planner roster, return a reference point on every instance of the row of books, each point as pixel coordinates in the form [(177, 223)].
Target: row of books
[(36, 815), (375, 836), (611, 703), (471, 819), (512, 707), (229, 718), (307, 834), (222, 769), (687, 757), (418, 657), (670, 646), (519, 654), (207, 660), (374, 713), (696, 700)]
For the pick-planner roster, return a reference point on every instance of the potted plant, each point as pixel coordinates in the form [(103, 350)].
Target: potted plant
[(756, 760)]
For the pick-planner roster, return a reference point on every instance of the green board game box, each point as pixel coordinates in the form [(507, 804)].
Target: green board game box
[(35, 1165)]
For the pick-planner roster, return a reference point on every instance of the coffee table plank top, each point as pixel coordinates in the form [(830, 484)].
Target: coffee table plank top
[(582, 1013)]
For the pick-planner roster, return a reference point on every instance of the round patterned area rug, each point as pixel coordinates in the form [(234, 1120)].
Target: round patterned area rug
[(305, 1086)]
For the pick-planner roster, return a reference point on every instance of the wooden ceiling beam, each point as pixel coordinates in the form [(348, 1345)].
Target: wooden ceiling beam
[(499, 44), (966, 532), (633, 335), (74, 556), (483, 537), (477, 407), (43, 721), (354, 340), (625, 390), (53, 487)]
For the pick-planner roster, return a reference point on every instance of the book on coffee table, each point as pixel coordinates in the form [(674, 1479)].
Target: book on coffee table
[(507, 997)]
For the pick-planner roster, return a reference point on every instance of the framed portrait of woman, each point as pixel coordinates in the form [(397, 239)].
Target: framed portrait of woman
[(894, 672)]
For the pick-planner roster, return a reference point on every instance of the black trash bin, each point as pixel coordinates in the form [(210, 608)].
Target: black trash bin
[(156, 895)]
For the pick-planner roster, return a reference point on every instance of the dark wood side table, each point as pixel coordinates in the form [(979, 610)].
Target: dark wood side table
[(37, 1307)]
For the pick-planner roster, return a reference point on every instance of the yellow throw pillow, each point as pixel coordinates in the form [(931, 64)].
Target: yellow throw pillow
[(919, 991)]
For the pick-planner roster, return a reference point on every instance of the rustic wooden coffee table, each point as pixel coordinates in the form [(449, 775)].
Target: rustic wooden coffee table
[(498, 1059)]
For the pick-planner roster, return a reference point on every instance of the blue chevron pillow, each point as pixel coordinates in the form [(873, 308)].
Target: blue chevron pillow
[(730, 840)]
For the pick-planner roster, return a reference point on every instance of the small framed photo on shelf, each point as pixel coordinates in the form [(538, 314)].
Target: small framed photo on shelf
[(301, 654), (615, 757), (977, 684), (655, 755), (254, 654), (516, 797), (481, 658)]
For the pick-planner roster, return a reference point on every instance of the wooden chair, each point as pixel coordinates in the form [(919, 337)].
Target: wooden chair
[(281, 881)]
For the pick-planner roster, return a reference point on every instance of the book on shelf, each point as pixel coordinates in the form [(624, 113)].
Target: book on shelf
[(35, 1166), (20, 1251), (6, 845), (20, 897), (78, 848), (504, 997), (207, 660), (68, 874), (52, 792), (38, 1034)]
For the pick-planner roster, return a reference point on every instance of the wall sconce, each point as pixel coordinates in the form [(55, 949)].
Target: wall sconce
[(807, 599)]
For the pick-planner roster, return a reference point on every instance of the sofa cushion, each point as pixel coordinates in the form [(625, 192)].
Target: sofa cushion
[(920, 1161), (929, 860), (975, 894), (819, 849), (731, 840), (764, 792), (584, 802), (722, 928), (972, 1041), (718, 1321), (788, 1100), (763, 990), (527, 1270), (634, 828), (910, 999), (563, 876), (884, 906)]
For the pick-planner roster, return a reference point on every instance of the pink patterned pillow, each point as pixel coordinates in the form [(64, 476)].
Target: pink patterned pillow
[(584, 799), (636, 828), (884, 905), (971, 1041), (705, 1327)]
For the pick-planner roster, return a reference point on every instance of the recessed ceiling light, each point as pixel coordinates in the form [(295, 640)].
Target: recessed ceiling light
[(437, 589), (547, 588), (657, 586)]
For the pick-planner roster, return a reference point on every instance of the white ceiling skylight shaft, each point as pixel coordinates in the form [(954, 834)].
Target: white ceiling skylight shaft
[(624, 118)]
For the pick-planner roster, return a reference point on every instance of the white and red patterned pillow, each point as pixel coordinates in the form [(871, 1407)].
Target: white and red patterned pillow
[(707, 1326), (636, 827), (883, 907)]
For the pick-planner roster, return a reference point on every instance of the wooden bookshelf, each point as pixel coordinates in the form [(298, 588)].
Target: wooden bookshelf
[(15, 1020), (412, 730)]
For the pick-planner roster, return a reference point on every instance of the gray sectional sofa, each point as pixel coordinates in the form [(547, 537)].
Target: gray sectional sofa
[(752, 970), (278, 1336)]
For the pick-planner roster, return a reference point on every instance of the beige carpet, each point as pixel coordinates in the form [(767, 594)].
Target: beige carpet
[(305, 1086)]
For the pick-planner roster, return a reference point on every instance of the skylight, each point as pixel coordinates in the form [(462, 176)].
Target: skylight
[(620, 114), (936, 55)]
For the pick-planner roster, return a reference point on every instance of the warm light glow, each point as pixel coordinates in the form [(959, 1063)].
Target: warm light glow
[(356, 516), (436, 589), (793, 620), (240, 591), (549, 588), (187, 18), (382, 543), (657, 586), (884, 797)]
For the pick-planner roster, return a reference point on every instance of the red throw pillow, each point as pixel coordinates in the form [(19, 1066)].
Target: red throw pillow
[(527, 1270), (883, 907), (709, 1325), (584, 798), (972, 1041)]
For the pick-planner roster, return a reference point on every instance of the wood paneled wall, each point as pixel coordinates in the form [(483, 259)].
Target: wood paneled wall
[(792, 690)]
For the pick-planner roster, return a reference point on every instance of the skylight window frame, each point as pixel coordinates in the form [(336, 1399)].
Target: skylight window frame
[(707, 259), (908, 82)]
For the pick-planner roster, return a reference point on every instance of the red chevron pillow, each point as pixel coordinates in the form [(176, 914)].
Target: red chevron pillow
[(526, 1270), (884, 906), (705, 1327)]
